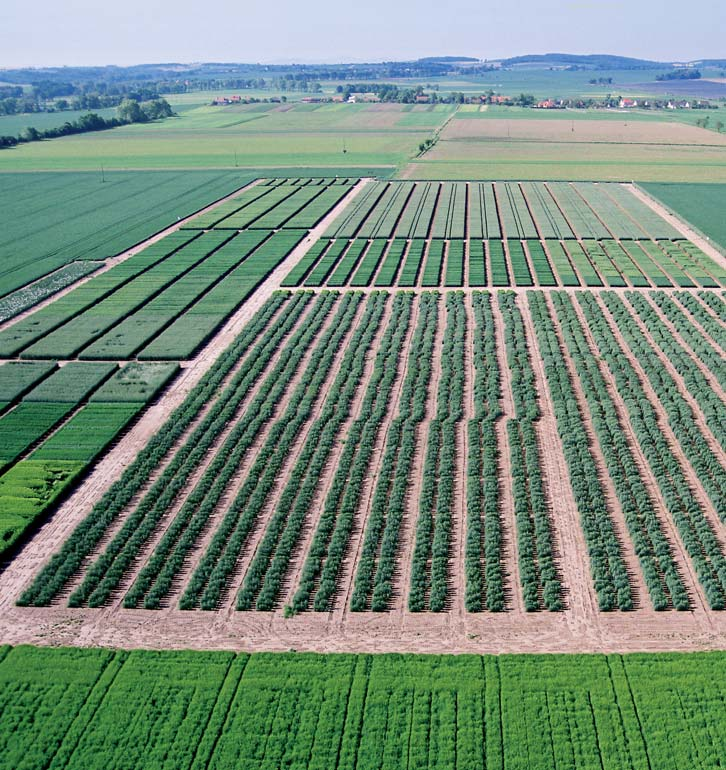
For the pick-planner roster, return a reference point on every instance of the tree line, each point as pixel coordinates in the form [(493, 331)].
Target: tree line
[(129, 111)]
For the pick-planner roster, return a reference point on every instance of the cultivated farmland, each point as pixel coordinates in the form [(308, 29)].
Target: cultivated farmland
[(457, 234), (76, 708), (490, 411)]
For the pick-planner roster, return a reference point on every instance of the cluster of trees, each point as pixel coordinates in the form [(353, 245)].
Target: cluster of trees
[(65, 564), (538, 571), (129, 111), (695, 530), (607, 566), (646, 531), (429, 566), (380, 544), (685, 73), (267, 571), (332, 536)]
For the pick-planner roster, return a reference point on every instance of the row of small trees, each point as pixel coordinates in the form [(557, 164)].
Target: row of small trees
[(282, 534), (64, 565), (607, 566), (695, 530), (120, 555), (210, 579), (373, 581), (430, 564), (483, 550), (538, 572), (332, 536), (646, 531)]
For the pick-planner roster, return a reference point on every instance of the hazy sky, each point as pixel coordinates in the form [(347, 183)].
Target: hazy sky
[(56, 32)]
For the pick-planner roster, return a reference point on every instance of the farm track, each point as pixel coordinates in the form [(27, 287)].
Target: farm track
[(458, 529), (681, 557)]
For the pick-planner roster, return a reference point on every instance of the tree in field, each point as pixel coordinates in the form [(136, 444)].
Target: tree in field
[(130, 111)]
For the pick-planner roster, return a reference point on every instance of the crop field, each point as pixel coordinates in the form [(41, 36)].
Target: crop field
[(50, 220), (345, 453), (79, 708), (699, 204), (168, 299), (256, 135), (478, 234)]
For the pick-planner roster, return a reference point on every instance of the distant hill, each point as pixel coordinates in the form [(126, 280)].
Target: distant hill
[(591, 61)]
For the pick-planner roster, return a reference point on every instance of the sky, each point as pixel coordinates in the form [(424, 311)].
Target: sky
[(89, 32)]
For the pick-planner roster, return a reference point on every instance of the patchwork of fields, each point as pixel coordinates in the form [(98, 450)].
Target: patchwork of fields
[(457, 234), (80, 708), (352, 453)]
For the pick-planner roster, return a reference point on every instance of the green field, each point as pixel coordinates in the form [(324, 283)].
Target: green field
[(255, 135), (81, 708), (12, 125), (701, 205), (52, 219)]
